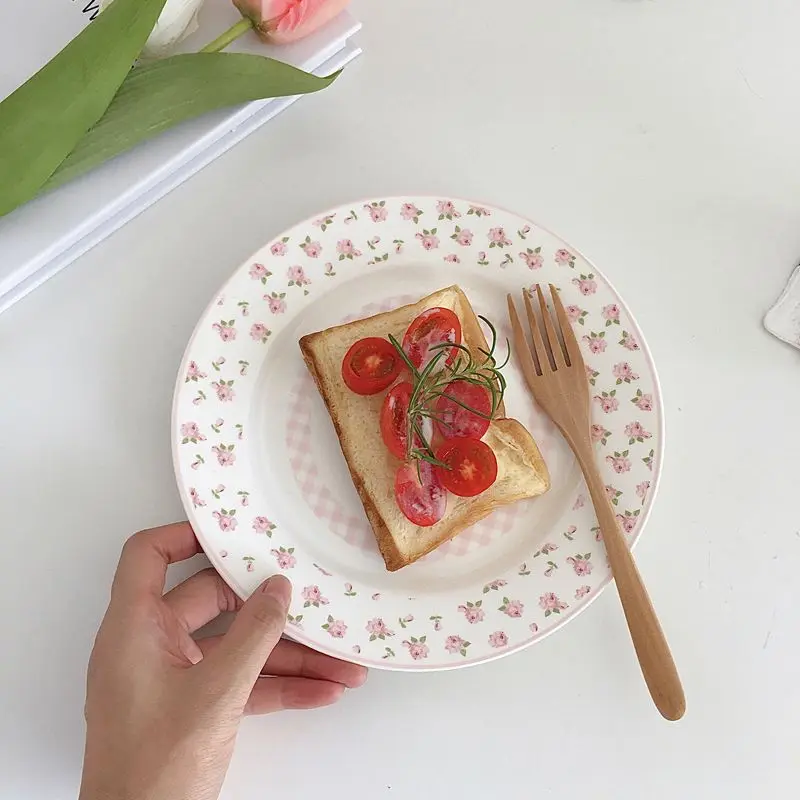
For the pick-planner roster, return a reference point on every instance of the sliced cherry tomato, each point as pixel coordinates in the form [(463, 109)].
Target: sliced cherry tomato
[(472, 466), (424, 503), (370, 365), (431, 327), (394, 419), (455, 421)]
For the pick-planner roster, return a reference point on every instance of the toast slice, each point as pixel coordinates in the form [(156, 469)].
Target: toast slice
[(521, 471)]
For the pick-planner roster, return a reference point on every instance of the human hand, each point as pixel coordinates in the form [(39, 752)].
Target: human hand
[(163, 709)]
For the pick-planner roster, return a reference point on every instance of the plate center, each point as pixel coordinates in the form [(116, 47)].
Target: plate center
[(323, 507)]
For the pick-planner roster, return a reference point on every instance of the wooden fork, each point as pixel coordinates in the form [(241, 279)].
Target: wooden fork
[(555, 373)]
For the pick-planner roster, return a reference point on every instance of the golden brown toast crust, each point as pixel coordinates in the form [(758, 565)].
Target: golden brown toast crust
[(386, 544)]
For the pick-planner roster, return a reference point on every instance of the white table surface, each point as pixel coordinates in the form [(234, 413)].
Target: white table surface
[(661, 139)]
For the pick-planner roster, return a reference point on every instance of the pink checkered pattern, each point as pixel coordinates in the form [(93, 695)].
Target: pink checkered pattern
[(481, 534), (355, 529)]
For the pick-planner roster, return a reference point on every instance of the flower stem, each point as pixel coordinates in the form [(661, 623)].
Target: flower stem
[(232, 34)]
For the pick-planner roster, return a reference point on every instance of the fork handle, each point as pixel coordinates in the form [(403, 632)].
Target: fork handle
[(652, 650)]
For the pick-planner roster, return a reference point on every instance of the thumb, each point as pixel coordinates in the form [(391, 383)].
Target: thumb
[(254, 633)]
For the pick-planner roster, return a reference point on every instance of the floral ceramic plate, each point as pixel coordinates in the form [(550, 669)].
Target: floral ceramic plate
[(265, 484)]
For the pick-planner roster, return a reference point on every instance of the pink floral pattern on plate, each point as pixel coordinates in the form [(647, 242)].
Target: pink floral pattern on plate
[(250, 527)]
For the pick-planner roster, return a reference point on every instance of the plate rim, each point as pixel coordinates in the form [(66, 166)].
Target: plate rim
[(418, 666)]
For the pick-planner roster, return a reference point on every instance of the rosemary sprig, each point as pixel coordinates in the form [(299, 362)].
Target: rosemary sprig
[(429, 384), (417, 401), (410, 364)]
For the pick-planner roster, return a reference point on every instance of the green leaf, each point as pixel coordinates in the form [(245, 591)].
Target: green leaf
[(155, 97), (43, 120)]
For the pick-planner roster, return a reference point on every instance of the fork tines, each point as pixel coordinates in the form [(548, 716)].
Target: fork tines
[(554, 345)]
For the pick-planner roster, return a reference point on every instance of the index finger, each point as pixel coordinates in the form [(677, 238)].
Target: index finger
[(145, 557)]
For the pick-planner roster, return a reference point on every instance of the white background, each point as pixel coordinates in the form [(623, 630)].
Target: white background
[(663, 140)]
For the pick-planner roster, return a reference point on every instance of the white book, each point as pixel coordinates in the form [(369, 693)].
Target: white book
[(43, 236)]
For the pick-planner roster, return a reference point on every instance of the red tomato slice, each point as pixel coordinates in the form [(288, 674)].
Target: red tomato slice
[(431, 327), (423, 503), (473, 466), (394, 419), (371, 365), (455, 421)]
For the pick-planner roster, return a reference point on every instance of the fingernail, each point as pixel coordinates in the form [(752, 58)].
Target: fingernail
[(278, 587)]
